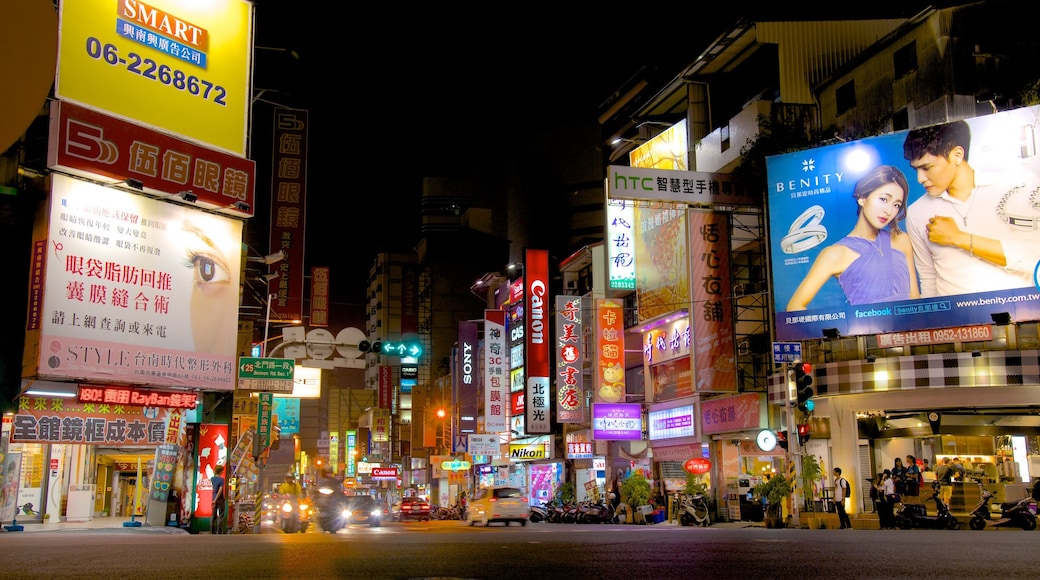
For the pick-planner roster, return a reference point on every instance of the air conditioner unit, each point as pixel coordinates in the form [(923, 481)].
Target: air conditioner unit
[(738, 290), (744, 348), (570, 285)]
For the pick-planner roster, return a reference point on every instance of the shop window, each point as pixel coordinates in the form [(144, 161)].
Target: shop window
[(1028, 336)]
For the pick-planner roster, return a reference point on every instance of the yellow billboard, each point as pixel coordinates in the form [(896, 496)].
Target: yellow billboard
[(180, 66)]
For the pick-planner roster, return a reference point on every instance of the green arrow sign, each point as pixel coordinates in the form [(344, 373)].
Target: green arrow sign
[(412, 349)]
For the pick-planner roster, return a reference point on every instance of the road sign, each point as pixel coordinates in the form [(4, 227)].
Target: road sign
[(787, 352), (273, 375)]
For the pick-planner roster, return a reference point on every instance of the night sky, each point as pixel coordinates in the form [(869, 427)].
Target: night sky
[(391, 95)]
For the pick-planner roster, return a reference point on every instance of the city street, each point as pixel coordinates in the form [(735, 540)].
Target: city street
[(451, 549)]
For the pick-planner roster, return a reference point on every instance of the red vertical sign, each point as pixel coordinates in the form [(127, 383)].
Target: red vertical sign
[(288, 211), (537, 339), (714, 353), (385, 387), (320, 296)]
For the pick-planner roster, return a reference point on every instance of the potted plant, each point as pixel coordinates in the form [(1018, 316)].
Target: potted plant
[(811, 473), (775, 490), (635, 491)]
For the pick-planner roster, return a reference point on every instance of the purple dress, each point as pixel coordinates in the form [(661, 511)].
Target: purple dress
[(879, 274)]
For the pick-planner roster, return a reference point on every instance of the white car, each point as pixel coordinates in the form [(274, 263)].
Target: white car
[(500, 503)]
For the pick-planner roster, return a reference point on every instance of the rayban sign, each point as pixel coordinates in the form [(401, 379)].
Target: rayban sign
[(137, 397), (89, 144)]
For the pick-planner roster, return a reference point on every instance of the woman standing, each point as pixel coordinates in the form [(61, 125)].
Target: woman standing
[(898, 471), (874, 262), (911, 476), (886, 501)]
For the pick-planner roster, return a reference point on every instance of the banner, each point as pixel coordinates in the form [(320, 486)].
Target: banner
[(496, 365), (536, 341), (570, 393)]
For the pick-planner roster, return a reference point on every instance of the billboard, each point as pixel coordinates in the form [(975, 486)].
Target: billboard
[(176, 65), (967, 247), (138, 290), (617, 421)]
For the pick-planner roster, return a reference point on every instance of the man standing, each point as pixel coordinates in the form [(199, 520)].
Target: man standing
[(841, 491), (944, 475), (971, 232), (219, 525)]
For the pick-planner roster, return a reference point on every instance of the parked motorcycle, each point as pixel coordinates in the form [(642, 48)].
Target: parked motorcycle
[(598, 513), (912, 515), (693, 509), (538, 513), (296, 515), (1013, 514)]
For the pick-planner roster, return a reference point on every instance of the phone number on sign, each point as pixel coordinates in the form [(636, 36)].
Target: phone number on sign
[(150, 69)]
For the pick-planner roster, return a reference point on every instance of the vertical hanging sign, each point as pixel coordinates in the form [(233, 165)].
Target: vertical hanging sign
[(288, 211), (714, 352), (496, 384), (570, 398), (536, 341), (610, 351)]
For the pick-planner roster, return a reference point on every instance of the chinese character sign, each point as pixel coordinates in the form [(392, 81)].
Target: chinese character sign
[(496, 383), (288, 211), (609, 358), (662, 268), (138, 290), (570, 395), (711, 314), (621, 251)]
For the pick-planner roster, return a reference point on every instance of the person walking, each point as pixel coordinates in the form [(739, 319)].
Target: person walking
[(842, 490), (944, 475)]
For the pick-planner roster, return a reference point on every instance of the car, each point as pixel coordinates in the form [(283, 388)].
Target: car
[(363, 509), (498, 503), (339, 511), (412, 508)]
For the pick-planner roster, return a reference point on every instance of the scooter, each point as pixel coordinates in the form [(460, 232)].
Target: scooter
[(538, 514), (693, 509), (1013, 514), (296, 515), (912, 515), (598, 513)]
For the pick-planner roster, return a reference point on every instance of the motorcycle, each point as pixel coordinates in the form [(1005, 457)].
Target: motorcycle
[(912, 515), (1013, 514), (296, 515), (538, 513), (598, 513), (693, 509)]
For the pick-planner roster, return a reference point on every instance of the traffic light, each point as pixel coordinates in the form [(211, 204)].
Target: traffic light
[(803, 433), (803, 387), (402, 348), (781, 438)]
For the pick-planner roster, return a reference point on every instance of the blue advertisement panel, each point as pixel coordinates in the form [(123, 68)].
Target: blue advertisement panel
[(929, 228)]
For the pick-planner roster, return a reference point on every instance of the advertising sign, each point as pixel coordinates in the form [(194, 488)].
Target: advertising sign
[(667, 150), (537, 339), (966, 249), (90, 144), (178, 65), (662, 264), (37, 420), (737, 413), (687, 187), (496, 383), (138, 290), (617, 421), (485, 445), (570, 394), (609, 358), (711, 312), (671, 423), (621, 248), (288, 211)]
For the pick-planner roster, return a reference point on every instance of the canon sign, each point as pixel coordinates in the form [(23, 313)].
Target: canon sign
[(536, 346)]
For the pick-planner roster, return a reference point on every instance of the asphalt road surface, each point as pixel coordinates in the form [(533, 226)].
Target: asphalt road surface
[(451, 549)]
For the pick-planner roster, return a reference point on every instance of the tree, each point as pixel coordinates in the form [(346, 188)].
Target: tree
[(811, 473), (776, 490), (635, 491)]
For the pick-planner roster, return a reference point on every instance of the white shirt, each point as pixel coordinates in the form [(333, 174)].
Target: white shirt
[(948, 270), (839, 489)]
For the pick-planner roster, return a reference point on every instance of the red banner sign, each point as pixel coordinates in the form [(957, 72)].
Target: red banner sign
[(137, 397), (90, 144), (697, 465)]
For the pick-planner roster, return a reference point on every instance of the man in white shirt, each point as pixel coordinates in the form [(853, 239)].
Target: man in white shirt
[(841, 491), (971, 232)]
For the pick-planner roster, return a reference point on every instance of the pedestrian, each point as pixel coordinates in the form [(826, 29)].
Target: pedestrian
[(944, 475), (219, 517), (898, 471), (887, 499), (874, 493), (842, 490), (912, 476)]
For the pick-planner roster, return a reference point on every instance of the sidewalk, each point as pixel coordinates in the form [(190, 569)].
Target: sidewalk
[(106, 525)]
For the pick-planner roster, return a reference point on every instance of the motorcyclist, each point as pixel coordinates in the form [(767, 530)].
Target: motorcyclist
[(290, 491), (290, 488)]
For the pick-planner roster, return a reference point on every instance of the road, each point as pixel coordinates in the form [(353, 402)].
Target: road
[(450, 549)]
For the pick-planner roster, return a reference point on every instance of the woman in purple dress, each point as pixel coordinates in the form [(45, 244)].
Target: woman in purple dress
[(874, 262)]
